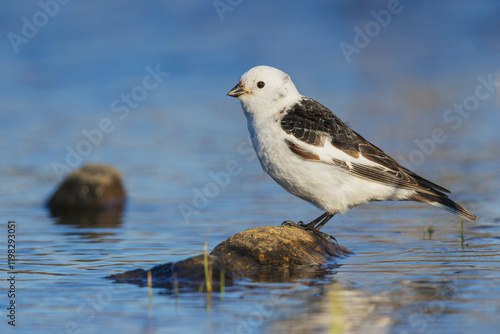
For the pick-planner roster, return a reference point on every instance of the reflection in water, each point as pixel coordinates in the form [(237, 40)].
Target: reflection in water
[(110, 216), (304, 274), (411, 306), (340, 309)]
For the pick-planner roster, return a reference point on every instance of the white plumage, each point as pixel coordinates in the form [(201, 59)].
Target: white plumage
[(311, 153)]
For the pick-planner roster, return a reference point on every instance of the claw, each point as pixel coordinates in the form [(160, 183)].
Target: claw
[(288, 223), (308, 227)]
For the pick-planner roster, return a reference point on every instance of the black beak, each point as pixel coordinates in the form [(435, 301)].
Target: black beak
[(238, 90)]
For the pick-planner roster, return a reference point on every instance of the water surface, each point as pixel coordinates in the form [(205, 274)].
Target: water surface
[(396, 91)]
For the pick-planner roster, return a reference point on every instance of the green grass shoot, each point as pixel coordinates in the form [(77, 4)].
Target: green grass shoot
[(208, 278), (428, 230), (222, 283), (462, 235), (150, 287), (176, 285), (208, 273)]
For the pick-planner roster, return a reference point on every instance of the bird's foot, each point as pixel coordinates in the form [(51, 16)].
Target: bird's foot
[(300, 224), (291, 223), (309, 227)]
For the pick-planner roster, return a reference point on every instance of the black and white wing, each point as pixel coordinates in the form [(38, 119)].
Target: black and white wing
[(317, 134)]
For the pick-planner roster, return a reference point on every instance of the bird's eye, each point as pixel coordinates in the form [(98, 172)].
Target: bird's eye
[(261, 84)]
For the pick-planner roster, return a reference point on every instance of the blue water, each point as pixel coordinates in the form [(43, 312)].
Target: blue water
[(66, 78)]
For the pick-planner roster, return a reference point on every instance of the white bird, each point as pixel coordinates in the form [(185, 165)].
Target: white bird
[(315, 156)]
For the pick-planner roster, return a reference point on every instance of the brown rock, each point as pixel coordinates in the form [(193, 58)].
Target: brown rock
[(271, 254), (189, 273), (278, 247), (92, 187)]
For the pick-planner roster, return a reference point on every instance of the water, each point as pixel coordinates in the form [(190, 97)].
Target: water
[(396, 91)]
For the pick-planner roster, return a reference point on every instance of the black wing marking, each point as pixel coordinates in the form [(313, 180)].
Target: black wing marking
[(313, 123)]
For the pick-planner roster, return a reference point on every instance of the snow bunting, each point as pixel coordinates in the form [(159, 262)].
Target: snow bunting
[(315, 156)]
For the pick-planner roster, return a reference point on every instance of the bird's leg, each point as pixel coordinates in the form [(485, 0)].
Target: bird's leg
[(314, 222), (324, 221), (318, 223), (315, 225), (306, 226)]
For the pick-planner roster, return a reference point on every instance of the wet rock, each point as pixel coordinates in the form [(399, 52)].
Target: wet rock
[(278, 247), (187, 274), (271, 254), (93, 187)]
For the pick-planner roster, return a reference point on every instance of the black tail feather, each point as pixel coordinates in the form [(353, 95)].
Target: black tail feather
[(443, 202)]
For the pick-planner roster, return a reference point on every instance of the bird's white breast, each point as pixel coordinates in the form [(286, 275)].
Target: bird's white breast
[(324, 185)]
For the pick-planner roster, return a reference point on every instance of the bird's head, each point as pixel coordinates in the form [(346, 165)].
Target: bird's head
[(265, 89)]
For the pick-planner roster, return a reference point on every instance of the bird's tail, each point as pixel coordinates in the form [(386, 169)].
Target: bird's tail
[(443, 202)]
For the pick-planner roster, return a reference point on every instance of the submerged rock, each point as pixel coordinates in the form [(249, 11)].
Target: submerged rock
[(271, 253), (92, 187), (189, 273)]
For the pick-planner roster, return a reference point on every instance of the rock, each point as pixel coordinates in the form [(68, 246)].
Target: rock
[(186, 274), (271, 254), (92, 187), (278, 247)]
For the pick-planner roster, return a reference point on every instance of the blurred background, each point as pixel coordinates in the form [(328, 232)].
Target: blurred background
[(157, 73)]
